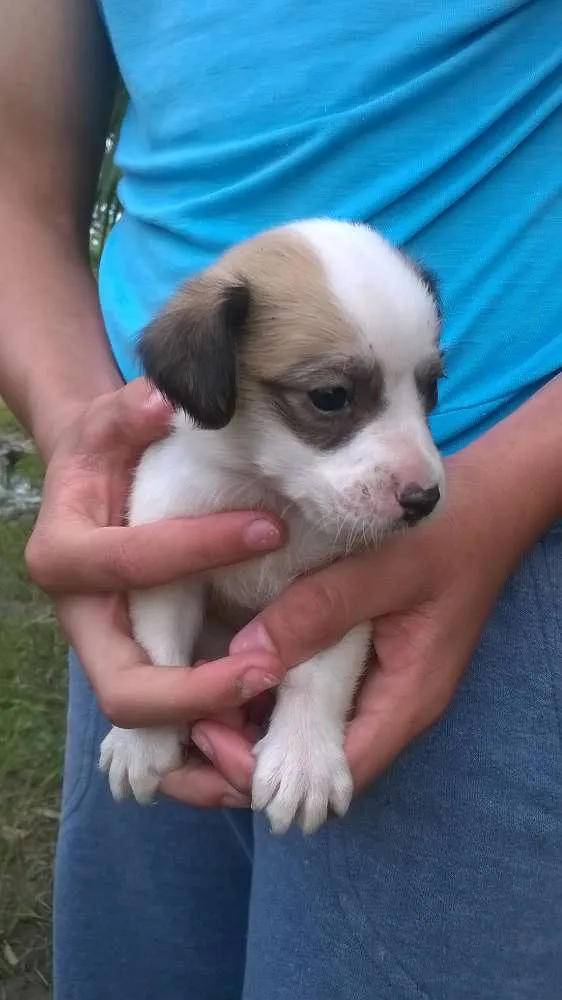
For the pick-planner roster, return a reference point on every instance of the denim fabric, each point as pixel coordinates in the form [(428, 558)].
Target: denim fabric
[(443, 883)]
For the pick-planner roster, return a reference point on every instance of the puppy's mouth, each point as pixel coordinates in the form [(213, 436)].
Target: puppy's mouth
[(356, 518), (410, 520), (418, 503)]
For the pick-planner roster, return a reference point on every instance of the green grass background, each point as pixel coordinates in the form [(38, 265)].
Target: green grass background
[(32, 709), (32, 701)]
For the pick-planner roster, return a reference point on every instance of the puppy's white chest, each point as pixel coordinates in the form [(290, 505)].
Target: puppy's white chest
[(251, 586)]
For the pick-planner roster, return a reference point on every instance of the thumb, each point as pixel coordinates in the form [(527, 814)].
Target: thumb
[(126, 420), (317, 611), (391, 712)]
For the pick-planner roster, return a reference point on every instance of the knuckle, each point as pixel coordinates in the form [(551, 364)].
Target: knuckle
[(93, 423), (112, 707), (105, 423), (215, 800), (311, 613), (317, 607), (124, 563), (39, 562)]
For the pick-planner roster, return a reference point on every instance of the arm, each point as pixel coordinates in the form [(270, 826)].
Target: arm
[(57, 374), (57, 79)]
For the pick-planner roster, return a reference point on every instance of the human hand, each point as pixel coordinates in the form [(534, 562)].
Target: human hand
[(428, 593), (81, 553)]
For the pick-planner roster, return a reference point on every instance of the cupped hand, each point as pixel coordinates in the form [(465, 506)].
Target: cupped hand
[(428, 593), (82, 553)]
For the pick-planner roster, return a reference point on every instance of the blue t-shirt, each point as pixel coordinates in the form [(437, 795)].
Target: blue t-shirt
[(437, 121)]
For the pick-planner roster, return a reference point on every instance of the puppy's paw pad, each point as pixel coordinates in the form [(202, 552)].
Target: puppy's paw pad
[(300, 778), (135, 760)]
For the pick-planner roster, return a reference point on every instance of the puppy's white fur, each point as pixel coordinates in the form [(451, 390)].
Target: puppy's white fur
[(333, 500)]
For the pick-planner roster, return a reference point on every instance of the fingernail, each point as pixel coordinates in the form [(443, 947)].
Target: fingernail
[(255, 682), (262, 535), (253, 637), (201, 740), (156, 401), (236, 800)]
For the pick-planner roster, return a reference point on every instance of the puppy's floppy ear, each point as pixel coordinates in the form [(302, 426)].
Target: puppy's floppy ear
[(189, 350)]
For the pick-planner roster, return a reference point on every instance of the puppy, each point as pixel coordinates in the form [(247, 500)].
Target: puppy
[(303, 366)]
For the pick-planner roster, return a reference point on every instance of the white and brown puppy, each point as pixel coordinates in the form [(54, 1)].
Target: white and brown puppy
[(303, 365)]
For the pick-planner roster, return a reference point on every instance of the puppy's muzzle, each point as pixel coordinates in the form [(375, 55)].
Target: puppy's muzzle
[(417, 502)]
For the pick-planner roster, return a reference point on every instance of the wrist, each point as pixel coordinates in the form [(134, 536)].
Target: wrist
[(508, 483), (47, 424), (55, 357)]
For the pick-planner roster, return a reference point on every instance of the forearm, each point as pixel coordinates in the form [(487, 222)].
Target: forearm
[(57, 80), (512, 476), (54, 354)]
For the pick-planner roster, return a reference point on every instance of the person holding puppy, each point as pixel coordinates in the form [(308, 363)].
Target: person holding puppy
[(438, 125)]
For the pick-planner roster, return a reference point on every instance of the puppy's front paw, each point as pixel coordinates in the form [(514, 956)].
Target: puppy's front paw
[(300, 774), (136, 760)]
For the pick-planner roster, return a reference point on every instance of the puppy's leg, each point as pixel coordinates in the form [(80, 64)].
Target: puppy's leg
[(301, 767), (166, 622)]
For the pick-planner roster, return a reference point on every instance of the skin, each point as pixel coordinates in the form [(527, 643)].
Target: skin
[(89, 429), (441, 580)]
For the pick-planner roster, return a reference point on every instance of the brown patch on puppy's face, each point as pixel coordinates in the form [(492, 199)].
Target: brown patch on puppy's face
[(254, 319), (294, 317)]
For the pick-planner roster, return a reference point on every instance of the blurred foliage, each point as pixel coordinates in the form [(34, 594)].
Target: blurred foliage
[(107, 208), (32, 699), (32, 708)]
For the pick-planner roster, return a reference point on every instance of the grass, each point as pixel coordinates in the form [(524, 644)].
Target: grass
[(32, 708)]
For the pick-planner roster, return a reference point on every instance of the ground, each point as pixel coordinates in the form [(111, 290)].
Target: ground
[(32, 707)]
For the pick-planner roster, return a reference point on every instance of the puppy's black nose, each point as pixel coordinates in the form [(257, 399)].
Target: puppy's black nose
[(417, 503)]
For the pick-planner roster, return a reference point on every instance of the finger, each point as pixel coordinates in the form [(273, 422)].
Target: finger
[(240, 720), (131, 418), (392, 710), (201, 785), (317, 611), (258, 711), (133, 693), (83, 558), (142, 695), (229, 751), (234, 718)]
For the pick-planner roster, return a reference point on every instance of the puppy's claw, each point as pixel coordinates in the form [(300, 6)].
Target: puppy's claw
[(298, 779), (136, 760)]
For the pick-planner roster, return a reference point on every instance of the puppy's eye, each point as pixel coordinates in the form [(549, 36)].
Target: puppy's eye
[(429, 393), (331, 400)]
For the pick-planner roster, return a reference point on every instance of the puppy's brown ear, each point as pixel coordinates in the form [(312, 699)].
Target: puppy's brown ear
[(189, 350)]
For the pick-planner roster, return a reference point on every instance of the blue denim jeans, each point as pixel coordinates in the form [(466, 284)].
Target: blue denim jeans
[(443, 883)]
